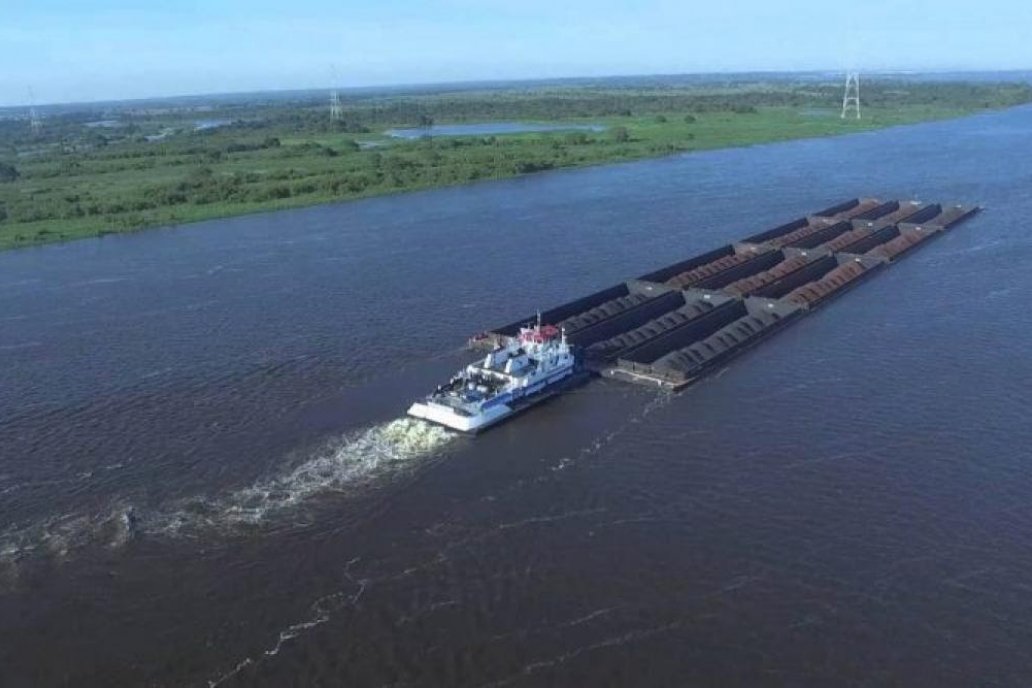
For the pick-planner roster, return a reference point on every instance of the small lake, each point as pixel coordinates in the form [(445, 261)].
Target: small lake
[(201, 124), (488, 129), (104, 124)]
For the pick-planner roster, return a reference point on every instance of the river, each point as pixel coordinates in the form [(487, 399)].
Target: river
[(204, 478)]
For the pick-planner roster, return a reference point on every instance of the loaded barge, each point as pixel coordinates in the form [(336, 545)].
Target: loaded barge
[(673, 325)]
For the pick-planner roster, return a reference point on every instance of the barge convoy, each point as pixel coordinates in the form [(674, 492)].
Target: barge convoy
[(671, 326)]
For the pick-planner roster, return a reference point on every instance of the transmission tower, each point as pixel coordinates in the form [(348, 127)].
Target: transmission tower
[(34, 120), (851, 98), (336, 110)]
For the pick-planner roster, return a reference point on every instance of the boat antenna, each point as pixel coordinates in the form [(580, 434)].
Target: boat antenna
[(539, 319)]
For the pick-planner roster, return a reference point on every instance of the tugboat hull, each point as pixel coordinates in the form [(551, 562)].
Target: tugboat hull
[(452, 419)]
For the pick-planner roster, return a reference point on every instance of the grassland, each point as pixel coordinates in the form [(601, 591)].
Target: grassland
[(79, 180)]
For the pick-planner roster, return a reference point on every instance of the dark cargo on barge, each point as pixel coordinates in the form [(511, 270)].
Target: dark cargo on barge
[(671, 326)]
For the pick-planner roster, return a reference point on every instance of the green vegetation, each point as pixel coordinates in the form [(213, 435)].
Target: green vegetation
[(8, 172), (147, 167)]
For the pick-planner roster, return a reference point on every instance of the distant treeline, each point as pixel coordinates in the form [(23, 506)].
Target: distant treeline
[(616, 103), (366, 114)]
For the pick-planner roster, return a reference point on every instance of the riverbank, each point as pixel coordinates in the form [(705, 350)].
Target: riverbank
[(278, 159)]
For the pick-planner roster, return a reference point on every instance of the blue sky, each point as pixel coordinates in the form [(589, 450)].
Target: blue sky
[(71, 50)]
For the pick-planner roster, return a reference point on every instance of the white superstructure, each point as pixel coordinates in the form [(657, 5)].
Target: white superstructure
[(519, 373)]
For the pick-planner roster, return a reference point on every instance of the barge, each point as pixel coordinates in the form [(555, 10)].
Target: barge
[(672, 326)]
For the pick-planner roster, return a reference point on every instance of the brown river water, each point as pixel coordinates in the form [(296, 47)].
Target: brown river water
[(206, 477)]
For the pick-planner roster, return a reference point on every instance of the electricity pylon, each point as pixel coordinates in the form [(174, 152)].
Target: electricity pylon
[(851, 98), (34, 119), (336, 110)]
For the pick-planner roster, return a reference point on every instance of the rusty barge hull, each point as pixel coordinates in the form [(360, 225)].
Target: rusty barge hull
[(673, 325)]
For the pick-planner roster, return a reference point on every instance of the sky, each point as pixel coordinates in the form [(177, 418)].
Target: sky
[(74, 51)]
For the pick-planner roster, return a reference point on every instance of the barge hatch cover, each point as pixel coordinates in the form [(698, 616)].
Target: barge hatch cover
[(671, 326)]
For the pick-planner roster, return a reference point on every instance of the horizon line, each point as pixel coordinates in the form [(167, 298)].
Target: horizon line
[(415, 85)]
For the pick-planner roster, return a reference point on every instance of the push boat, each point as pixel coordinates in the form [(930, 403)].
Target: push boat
[(520, 372)]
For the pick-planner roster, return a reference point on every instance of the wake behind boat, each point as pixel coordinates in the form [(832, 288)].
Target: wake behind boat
[(519, 373)]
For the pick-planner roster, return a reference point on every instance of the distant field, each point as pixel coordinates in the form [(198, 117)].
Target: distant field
[(77, 180)]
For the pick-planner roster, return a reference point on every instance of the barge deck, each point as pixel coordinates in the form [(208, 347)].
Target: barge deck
[(673, 325)]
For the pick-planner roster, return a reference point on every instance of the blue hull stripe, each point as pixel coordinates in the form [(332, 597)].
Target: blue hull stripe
[(525, 392)]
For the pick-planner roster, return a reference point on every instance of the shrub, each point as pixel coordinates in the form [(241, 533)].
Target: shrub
[(532, 166), (8, 172)]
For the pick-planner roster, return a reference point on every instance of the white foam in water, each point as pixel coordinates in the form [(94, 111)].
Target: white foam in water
[(346, 463), (58, 537)]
